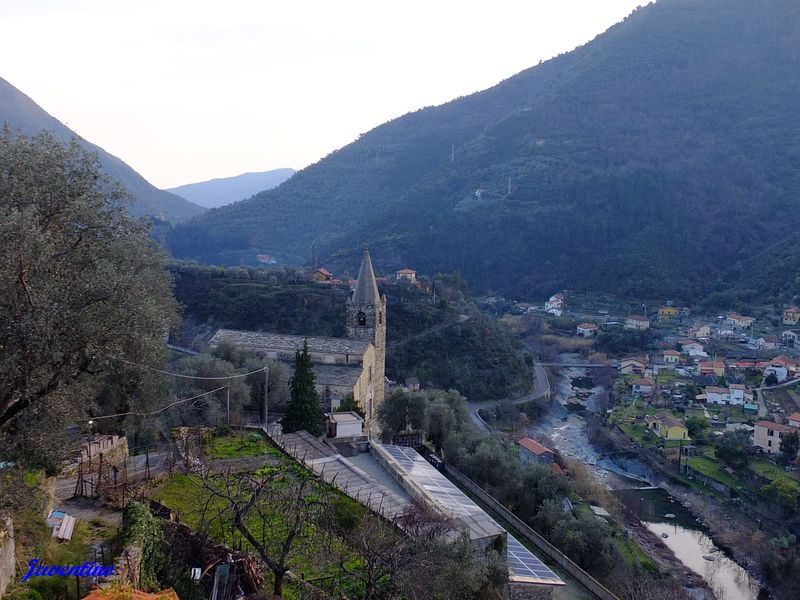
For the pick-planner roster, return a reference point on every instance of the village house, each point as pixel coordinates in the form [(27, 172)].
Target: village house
[(794, 420), (555, 303), (667, 313), (667, 427), (702, 332), (711, 367), (672, 357), (633, 366), (644, 386), (321, 275), (692, 348), (409, 275), (789, 337), (736, 394), (779, 370), (637, 322), (587, 330), (767, 435), (531, 451), (768, 342), (737, 321), (791, 315)]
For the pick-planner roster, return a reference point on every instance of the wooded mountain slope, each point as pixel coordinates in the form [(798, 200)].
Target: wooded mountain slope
[(657, 158), (22, 114)]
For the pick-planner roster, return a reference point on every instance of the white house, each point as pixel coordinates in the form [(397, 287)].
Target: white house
[(768, 342), (556, 302), (791, 315), (692, 348), (789, 337), (672, 357), (643, 387), (737, 321), (637, 322), (794, 419), (780, 371), (587, 330)]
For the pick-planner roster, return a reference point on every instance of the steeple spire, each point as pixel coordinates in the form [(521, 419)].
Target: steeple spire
[(366, 288)]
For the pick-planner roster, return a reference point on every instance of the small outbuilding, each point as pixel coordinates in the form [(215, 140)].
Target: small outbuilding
[(343, 424)]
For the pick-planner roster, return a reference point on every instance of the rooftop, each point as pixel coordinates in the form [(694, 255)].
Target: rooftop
[(534, 446), (344, 417), (263, 341), (337, 374), (774, 426)]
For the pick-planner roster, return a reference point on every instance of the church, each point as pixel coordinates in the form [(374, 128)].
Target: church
[(352, 365)]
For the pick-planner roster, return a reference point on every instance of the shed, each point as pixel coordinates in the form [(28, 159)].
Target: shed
[(343, 424)]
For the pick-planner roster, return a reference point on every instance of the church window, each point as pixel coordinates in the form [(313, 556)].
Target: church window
[(362, 319), (380, 318)]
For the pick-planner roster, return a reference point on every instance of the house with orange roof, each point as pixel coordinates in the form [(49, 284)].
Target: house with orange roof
[(794, 419), (531, 451), (738, 321), (644, 386), (587, 330), (672, 357), (321, 275), (406, 274)]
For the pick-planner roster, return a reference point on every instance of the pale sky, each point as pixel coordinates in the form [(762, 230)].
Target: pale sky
[(189, 90)]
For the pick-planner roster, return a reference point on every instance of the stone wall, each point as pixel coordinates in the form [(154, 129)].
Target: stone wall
[(7, 562)]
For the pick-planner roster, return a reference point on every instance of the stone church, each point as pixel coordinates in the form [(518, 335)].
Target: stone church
[(352, 365)]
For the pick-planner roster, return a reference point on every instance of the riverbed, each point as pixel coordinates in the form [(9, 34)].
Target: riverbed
[(565, 426)]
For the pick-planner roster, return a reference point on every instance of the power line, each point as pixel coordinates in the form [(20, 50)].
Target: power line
[(226, 378), (160, 409)]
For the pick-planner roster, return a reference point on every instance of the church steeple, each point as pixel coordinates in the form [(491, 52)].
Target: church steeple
[(366, 292)]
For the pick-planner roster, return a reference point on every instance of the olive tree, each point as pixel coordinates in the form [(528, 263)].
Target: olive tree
[(84, 296)]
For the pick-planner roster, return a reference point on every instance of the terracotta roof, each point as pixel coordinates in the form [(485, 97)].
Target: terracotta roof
[(534, 446), (638, 318), (587, 326), (324, 272), (773, 426), (794, 416), (644, 381), (406, 271), (792, 309), (671, 353)]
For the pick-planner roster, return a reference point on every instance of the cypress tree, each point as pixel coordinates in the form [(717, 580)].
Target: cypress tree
[(303, 410)]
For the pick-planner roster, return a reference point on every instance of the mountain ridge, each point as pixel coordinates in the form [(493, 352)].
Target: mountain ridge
[(221, 191), (23, 114), (650, 158)]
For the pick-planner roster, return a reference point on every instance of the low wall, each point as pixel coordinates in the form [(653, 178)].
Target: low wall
[(561, 559), (7, 562)]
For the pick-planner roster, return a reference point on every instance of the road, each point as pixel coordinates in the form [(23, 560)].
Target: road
[(541, 387), (65, 487)]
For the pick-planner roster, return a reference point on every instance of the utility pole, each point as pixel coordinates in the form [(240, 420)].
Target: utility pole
[(509, 185), (453, 154), (266, 397), (229, 403)]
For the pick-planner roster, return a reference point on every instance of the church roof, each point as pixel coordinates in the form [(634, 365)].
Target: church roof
[(261, 340), (366, 287), (337, 374)]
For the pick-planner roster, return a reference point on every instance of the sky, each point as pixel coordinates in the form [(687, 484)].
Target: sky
[(190, 90)]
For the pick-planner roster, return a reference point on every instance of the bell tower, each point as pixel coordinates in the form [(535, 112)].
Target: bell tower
[(366, 320)]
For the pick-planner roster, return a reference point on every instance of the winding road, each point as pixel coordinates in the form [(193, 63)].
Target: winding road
[(541, 387)]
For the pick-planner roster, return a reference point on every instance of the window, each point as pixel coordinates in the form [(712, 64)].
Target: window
[(771, 432), (380, 318), (362, 319), (769, 443)]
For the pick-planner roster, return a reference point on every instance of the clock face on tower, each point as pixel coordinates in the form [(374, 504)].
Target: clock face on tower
[(362, 319)]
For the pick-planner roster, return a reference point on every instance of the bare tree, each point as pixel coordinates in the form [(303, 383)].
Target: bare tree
[(275, 511)]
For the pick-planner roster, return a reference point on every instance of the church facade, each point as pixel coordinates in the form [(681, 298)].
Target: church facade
[(352, 365)]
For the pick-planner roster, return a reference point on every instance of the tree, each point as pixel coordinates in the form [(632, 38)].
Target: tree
[(790, 443), (81, 286), (303, 410), (349, 403), (402, 409), (696, 426), (730, 450), (441, 421)]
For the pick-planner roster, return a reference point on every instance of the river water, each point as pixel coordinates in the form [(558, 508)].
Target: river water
[(565, 425)]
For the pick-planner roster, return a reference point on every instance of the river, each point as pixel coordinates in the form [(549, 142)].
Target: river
[(565, 426)]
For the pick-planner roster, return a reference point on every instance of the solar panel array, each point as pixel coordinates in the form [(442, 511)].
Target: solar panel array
[(523, 566)]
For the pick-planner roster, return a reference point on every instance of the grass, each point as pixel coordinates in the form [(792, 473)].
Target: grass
[(774, 472), (634, 555), (710, 468), (239, 445)]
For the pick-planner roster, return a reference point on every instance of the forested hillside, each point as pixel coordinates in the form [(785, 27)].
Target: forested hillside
[(660, 156), (431, 341), (23, 115)]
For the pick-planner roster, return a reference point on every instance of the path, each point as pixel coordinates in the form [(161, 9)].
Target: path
[(461, 319)]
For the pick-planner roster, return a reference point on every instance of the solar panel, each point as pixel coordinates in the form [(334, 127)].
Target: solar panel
[(523, 566)]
